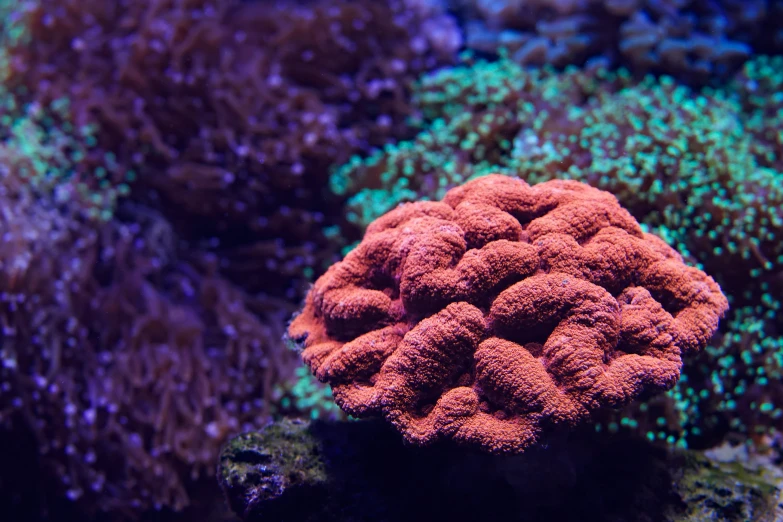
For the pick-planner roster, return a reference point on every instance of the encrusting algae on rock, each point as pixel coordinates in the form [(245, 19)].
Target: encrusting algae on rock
[(358, 471)]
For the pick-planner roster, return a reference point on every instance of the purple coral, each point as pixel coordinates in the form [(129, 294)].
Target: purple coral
[(125, 365), (126, 353), (690, 39), (229, 113)]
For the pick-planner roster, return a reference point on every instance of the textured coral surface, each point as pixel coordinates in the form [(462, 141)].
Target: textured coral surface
[(226, 115), (502, 311), (702, 168)]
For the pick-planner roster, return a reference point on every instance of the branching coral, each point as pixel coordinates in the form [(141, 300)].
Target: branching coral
[(228, 114), (502, 312)]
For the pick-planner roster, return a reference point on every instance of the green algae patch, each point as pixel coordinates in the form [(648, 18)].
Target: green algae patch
[(331, 471), (733, 490), (265, 472)]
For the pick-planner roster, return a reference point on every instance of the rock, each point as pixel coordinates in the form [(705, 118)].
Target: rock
[(296, 471), (269, 472)]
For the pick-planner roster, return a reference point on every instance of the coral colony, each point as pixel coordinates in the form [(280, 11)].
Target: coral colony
[(503, 309), (486, 225)]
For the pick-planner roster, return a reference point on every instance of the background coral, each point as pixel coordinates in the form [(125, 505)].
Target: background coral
[(678, 159), (692, 39), (125, 360), (227, 114), (503, 312), (760, 90), (698, 167), (128, 367)]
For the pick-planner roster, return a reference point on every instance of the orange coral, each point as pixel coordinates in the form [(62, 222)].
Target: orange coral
[(502, 311)]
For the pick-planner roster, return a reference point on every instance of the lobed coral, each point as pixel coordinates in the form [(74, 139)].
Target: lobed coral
[(502, 312), (227, 114), (692, 39), (699, 168), (676, 158)]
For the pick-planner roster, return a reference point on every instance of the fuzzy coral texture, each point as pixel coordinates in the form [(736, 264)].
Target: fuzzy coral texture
[(702, 168), (122, 364), (504, 311), (702, 164), (226, 115)]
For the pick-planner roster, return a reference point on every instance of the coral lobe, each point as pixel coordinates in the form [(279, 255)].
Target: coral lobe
[(503, 311)]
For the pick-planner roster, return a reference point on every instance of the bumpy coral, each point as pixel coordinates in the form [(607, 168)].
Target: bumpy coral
[(652, 143), (703, 169), (694, 40), (504, 311)]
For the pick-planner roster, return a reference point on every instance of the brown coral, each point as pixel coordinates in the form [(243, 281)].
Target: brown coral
[(502, 311)]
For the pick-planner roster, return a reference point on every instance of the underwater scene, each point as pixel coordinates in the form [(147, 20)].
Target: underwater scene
[(391, 260)]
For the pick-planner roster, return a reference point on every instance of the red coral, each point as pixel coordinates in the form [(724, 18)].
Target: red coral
[(502, 311)]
